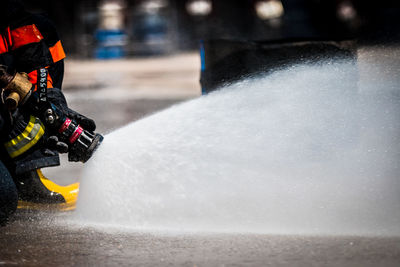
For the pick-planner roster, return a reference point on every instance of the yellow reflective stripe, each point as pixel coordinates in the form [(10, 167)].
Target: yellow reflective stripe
[(15, 151), (24, 135), (28, 145), (28, 138)]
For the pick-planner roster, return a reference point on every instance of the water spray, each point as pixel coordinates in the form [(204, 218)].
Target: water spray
[(300, 151)]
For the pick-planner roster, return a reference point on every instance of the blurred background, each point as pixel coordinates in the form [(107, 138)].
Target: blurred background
[(127, 28)]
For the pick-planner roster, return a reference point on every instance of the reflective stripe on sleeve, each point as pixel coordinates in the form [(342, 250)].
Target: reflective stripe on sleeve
[(28, 138)]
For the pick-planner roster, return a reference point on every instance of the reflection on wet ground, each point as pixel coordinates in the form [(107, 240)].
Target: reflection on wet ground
[(35, 239)]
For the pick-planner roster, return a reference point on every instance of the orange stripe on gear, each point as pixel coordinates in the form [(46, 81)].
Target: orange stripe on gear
[(25, 35), (57, 52)]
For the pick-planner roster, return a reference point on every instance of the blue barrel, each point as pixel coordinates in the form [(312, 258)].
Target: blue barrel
[(110, 44)]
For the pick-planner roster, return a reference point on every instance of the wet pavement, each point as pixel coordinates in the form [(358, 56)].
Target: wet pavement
[(114, 94), (36, 240)]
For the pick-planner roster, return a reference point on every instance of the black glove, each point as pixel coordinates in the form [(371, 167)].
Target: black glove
[(85, 122), (53, 143), (57, 98)]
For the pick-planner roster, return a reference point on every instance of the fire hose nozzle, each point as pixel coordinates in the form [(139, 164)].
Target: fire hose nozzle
[(82, 143)]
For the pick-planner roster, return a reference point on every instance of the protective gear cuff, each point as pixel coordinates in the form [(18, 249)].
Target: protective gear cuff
[(29, 165)]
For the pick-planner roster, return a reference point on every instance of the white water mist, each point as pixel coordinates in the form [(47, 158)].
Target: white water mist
[(305, 150)]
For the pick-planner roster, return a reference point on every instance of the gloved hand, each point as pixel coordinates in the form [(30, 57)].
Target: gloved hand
[(85, 122), (53, 143), (57, 98)]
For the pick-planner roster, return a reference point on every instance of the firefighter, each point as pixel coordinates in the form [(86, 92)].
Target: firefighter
[(29, 43)]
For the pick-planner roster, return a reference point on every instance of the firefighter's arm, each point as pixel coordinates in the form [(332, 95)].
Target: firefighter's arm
[(51, 107), (20, 122), (18, 89)]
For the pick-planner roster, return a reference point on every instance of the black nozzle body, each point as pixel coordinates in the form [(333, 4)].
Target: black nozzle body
[(83, 149)]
